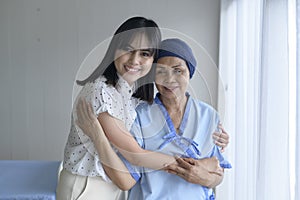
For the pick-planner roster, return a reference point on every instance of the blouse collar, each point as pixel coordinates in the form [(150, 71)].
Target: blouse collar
[(123, 87)]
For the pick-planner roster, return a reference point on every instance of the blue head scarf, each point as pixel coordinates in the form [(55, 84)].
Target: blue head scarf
[(177, 48)]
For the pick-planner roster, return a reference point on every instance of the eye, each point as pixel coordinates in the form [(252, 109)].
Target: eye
[(177, 71), (146, 54)]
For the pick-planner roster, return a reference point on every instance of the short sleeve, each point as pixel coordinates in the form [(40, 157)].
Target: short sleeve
[(223, 162), (216, 149), (209, 125), (103, 98)]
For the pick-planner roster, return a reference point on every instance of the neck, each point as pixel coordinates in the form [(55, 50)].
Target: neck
[(175, 108), (130, 83), (175, 104)]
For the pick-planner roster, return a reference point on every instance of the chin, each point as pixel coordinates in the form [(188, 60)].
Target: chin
[(131, 80)]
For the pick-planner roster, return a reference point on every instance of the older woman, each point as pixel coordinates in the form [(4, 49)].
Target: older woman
[(177, 125)]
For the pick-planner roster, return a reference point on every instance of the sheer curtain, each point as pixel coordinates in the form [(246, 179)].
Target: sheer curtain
[(254, 94), (297, 188)]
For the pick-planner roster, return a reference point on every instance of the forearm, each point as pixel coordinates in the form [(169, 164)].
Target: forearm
[(112, 164), (148, 159), (120, 179), (119, 136)]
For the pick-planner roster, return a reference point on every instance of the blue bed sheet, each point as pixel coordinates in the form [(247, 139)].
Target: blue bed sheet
[(28, 180)]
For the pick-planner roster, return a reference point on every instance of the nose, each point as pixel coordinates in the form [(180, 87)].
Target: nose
[(134, 58), (169, 77)]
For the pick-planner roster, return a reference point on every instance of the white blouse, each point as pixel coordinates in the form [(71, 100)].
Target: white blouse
[(80, 156)]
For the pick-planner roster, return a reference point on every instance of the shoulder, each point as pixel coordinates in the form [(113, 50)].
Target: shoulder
[(89, 86), (146, 112), (143, 107), (204, 108), (204, 105), (98, 86), (99, 93)]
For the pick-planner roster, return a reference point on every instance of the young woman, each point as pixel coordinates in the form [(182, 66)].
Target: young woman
[(109, 89)]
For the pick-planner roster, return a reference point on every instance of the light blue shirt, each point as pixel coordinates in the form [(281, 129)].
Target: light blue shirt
[(154, 130)]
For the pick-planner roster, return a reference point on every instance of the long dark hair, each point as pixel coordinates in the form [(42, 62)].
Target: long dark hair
[(122, 37)]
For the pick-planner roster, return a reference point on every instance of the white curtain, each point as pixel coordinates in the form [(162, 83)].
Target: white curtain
[(297, 188), (254, 93)]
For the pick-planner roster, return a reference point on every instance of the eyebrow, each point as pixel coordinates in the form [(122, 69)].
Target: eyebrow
[(148, 49), (174, 66), (178, 65)]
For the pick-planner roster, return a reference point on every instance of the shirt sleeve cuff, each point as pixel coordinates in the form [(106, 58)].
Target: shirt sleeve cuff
[(131, 168)]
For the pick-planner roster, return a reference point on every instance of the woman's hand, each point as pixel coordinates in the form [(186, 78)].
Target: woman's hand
[(86, 119), (206, 172), (113, 166), (221, 138)]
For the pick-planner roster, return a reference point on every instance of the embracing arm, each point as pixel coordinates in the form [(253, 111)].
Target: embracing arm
[(123, 141), (118, 135), (198, 171), (129, 148), (112, 164)]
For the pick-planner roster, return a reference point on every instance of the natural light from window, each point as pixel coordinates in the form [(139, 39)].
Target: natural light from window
[(292, 94)]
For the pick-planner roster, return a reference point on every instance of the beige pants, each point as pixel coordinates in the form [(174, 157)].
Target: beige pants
[(76, 187)]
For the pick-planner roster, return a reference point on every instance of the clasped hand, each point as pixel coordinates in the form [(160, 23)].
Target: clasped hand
[(203, 171)]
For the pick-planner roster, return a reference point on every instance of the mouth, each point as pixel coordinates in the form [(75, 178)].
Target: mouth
[(170, 88), (131, 69)]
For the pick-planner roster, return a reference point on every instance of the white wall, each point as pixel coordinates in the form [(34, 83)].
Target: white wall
[(42, 44)]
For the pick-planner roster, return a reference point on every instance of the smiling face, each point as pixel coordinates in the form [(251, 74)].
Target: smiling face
[(135, 59), (172, 77)]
